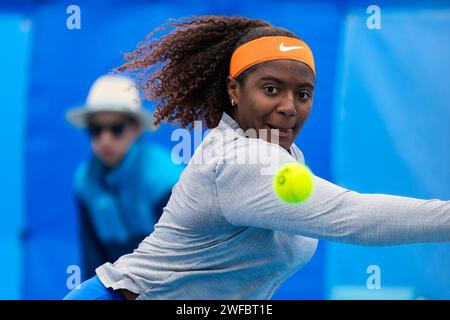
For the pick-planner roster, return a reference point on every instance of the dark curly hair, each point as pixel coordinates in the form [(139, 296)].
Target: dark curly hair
[(186, 70)]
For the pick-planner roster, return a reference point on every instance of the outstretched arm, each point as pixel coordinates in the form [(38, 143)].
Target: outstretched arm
[(333, 213)]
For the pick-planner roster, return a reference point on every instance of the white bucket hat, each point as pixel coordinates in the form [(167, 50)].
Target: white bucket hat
[(112, 93)]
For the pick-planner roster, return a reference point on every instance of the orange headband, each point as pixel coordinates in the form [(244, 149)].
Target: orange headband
[(270, 48)]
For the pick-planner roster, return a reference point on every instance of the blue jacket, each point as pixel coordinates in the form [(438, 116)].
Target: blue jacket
[(119, 207)]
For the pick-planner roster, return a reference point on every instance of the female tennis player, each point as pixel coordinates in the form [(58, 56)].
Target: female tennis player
[(224, 234)]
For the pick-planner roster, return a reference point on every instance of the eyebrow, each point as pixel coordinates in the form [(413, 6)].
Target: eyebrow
[(280, 82)]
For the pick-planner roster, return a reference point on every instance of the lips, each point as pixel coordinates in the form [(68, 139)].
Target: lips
[(107, 153), (283, 131)]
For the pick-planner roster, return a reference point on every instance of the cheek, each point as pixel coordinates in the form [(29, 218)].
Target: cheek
[(261, 108), (121, 145), (302, 118), (125, 143), (94, 144), (255, 108), (305, 110)]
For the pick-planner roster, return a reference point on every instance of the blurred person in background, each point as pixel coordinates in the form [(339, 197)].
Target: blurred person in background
[(122, 189)]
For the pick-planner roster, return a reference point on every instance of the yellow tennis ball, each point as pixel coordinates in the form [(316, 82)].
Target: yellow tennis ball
[(293, 182)]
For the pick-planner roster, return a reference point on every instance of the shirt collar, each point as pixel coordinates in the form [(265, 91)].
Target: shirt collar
[(229, 121)]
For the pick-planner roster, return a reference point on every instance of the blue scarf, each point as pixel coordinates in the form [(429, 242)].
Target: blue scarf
[(120, 200)]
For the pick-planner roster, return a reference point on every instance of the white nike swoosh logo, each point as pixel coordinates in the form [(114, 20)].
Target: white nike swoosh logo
[(284, 49)]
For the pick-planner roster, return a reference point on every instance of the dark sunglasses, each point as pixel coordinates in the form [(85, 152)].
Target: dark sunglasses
[(117, 129)]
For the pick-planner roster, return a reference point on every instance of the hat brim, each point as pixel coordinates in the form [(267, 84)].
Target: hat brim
[(78, 117)]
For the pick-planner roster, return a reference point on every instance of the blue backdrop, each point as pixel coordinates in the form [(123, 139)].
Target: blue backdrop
[(391, 135)]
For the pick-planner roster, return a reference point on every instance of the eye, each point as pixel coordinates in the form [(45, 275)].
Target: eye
[(271, 90), (304, 95)]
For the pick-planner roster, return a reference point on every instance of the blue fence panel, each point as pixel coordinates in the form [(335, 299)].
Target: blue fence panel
[(391, 128)]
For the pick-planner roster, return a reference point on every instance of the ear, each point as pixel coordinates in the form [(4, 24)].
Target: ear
[(233, 89)]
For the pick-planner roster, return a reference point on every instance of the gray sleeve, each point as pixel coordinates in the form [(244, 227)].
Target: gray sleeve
[(246, 198)]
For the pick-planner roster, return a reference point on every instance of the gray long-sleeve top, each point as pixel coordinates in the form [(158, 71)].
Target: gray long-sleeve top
[(224, 234)]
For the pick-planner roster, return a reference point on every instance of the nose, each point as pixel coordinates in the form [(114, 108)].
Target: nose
[(105, 137), (287, 105)]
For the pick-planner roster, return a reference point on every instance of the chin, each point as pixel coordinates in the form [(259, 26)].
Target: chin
[(110, 162), (286, 144)]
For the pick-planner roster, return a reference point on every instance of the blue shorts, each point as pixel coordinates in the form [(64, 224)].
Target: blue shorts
[(93, 289)]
